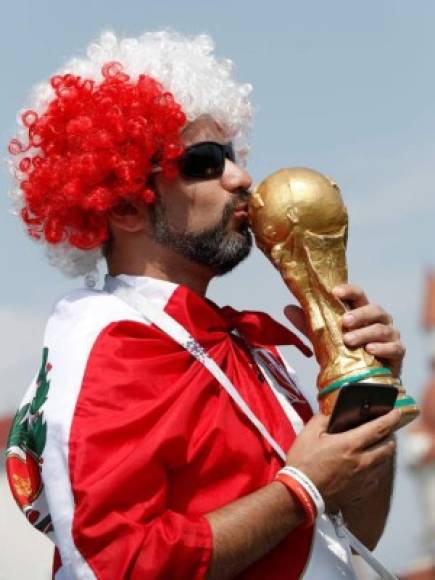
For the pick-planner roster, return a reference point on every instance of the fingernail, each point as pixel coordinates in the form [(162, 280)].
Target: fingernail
[(339, 291), (348, 319), (371, 348)]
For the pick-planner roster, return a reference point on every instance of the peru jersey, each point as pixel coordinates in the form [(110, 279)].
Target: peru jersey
[(124, 441)]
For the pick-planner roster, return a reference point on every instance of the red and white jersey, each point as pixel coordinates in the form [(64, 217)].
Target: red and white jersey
[(124, 441)]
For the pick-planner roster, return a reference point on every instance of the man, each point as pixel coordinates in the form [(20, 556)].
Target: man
[(136, 455)]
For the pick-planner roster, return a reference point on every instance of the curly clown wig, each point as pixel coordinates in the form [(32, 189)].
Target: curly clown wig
[(90, 135)]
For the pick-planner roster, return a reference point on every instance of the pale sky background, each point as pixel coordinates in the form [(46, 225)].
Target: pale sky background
[(345, 87)]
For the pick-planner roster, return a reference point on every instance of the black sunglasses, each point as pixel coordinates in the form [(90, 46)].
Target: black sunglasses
[(205, 160)]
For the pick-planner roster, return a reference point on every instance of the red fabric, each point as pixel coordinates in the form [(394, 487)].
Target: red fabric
[(260, 329), (156, 443), (57, 562)]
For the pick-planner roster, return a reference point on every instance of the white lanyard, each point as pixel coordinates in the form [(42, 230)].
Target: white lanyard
[(179, 334)]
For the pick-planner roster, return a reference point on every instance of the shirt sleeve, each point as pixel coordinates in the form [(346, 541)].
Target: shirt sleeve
[(129, 434)]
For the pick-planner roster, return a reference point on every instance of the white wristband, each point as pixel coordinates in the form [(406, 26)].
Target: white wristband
[(308, 485)]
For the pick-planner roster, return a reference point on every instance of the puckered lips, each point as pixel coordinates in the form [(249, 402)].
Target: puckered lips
[(240, 211)]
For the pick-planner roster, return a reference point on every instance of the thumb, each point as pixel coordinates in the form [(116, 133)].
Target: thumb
[(297, 317)]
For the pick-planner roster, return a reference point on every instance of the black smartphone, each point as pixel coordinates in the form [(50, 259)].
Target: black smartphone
[(359, 403)]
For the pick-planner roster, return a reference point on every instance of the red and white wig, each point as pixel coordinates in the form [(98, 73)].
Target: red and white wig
[(90, 134)]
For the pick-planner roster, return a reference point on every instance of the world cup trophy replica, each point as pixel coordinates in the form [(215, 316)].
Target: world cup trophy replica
[(300, 222)]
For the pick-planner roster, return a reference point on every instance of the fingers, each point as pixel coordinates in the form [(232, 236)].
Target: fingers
[(377, 332), (351, 294), (377, 454), (296, 316), (380, 340), (369, 326), (390, 437), (390, 351), (373, 432), (366, 315)]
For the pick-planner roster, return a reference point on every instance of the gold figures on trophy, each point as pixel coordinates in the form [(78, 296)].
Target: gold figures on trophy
[(300, 222)]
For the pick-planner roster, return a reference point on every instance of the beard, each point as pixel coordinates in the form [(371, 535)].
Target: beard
[(216, 248)]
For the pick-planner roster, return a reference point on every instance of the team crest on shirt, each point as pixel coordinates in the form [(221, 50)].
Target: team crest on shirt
[(24, 451)]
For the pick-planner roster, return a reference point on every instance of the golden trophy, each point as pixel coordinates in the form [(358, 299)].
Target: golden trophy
[(300, 222)]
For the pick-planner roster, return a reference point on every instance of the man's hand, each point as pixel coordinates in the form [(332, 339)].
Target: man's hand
[(334, 461), (353, 470), (364, 325), (370, 326)]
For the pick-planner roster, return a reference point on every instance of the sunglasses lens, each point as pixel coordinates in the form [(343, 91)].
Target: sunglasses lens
[(204, 160)]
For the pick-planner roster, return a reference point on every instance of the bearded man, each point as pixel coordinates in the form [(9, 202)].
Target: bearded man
[(148, 445)]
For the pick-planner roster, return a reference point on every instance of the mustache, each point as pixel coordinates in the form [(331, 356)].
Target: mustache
[(240, 199), (242, 195)]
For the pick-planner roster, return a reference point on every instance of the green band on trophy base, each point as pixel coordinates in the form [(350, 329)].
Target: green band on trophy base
[(383, 371), (405, 402)]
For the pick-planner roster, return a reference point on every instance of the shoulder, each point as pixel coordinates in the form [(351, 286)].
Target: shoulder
[(80, 317), (79, 323), (94, 338), (95, 347), (89, 311)]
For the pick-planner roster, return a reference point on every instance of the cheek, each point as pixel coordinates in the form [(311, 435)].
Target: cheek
[(206, 207), (176, 199), (193, 206)]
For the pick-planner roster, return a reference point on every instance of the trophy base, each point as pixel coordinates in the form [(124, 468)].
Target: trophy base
[(407, 406), (358, 403), (376, 392)]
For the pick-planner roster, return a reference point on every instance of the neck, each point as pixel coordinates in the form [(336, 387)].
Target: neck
[(164, 264)]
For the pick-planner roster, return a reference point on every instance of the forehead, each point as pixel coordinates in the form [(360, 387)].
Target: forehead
[(203, 129)]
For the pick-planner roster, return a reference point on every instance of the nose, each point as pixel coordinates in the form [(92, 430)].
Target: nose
[(235, 178)]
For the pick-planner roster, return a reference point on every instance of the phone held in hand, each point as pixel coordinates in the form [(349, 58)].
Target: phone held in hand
[(359, 403)]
